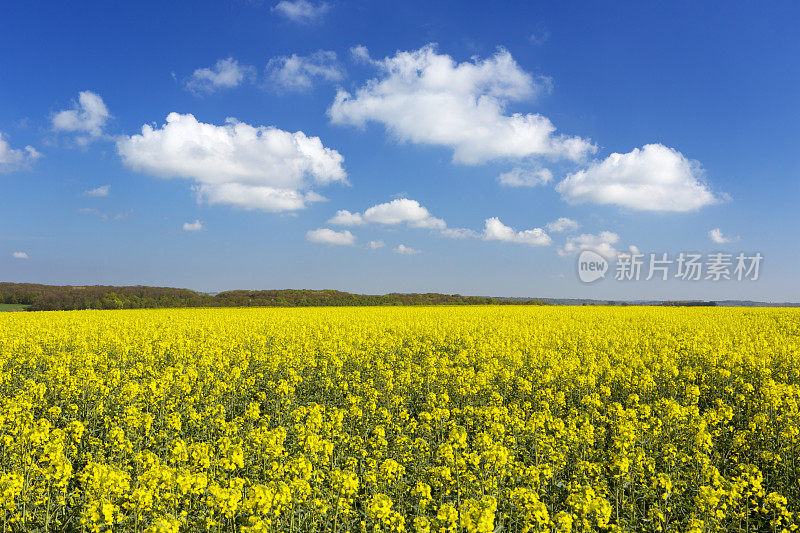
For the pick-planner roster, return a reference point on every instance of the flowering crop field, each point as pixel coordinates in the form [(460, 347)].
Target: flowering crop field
[(477, 419)]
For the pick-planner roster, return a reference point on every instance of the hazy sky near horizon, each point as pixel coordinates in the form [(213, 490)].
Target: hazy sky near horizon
[(377, 146)]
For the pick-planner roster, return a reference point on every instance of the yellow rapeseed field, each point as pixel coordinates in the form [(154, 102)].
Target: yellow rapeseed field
[(476, 419)]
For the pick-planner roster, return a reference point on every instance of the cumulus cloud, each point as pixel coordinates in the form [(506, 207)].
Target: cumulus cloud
[(425, 97), (602, 243), (402, 249), (251, 167), (302, 11), (101, 191), (653, 178), (225, 74), (298, 73), (19, 255), (193, 226), (495, 230), (563, 224), (525, 177), (87, 118), (329, 236), (12, 159), (343, 217), (374, 245), (717, 236), (398, 211)]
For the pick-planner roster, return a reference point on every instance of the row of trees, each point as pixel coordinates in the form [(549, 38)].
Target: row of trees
[(54, 298)]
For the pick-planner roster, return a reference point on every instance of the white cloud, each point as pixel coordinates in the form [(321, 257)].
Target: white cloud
[(460, 233), (297, 73), (653, 178), (402, 249), (19, 255), (103, 190), (12, 159), (717, 236), (497, 231), (225, 74), (329, 236), (193, 226), (398, 211), (634, 249), (562, 224), (360, 54), (525, 177), (251, 167), (539, 37), (374, 245), (91, 211), (602, 244), (403, 210), (87, 116), (302, 11), (425, 97), (343, 217)]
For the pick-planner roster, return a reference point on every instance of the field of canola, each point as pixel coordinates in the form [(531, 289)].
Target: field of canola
[(476, 419)]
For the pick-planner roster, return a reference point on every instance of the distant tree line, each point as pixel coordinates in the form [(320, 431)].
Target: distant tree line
[(64, 298), (689, 303)]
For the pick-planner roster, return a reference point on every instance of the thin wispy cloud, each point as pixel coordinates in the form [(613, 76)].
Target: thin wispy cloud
[(224, 74), (99, 192), (302, 11)]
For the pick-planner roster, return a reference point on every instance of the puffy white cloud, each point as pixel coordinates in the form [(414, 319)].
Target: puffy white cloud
[(329, 236), (302, 11), (425, 97), (12, 159), (19, 255), (653, 178), (403, 210), (343, 217), (193, 226), (562, 224), (87, 116), (225, 74), (103, 190), (297, 73), (602, 244), (717, 236), (525, 177), (497, 231), (402, 249), (374, 245), (398, 211), (252, 167)]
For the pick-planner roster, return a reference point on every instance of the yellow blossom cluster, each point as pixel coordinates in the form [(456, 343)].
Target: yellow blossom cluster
[(430, 420)]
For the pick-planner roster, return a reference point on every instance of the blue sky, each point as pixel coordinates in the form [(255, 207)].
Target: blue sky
[(384, 146)]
